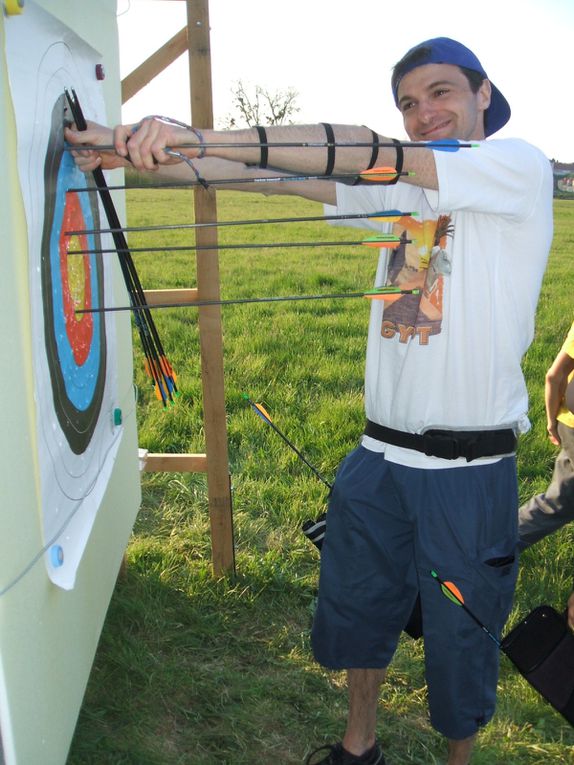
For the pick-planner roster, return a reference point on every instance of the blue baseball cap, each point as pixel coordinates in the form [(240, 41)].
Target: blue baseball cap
[(443, 50)]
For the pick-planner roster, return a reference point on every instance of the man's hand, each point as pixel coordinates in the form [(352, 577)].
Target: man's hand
[(571, 611), (145, 143), (95, 135), (141, 146), (552, 428)]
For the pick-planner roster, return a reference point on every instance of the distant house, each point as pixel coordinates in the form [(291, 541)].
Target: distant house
[(563, 177)]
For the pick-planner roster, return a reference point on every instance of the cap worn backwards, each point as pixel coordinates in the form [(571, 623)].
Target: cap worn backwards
[(443, 50)]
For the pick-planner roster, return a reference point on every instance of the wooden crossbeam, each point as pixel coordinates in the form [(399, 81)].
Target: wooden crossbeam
[(154, 65), (161, 297), (174, 463)]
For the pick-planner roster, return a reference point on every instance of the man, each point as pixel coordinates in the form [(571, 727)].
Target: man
[(410, 500)]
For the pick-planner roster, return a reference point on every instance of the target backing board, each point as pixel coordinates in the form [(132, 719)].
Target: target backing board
[(70, 477)]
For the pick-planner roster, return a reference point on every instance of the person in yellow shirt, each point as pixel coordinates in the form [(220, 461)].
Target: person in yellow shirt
[(549, 511)]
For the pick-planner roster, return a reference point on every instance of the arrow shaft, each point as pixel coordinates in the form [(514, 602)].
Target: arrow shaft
[(251, 246), (298, 453), (288, 442), (230, 181), (241, 301), (296, 145), (252, 222), (480, 624)]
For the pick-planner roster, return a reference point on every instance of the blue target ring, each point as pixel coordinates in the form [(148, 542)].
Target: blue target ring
[(80, 379)]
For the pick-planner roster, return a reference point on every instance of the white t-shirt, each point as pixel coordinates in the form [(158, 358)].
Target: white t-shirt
[(451, 356)]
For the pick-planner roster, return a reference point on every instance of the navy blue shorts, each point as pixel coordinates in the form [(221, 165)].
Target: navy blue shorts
[(388, 526)]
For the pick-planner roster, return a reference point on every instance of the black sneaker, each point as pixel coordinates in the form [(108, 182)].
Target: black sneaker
[(336, 755)]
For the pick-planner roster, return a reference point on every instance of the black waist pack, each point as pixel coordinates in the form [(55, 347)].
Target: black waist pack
[(541, 647)]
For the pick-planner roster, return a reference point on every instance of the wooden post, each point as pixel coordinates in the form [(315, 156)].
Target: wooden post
[(210, 332)]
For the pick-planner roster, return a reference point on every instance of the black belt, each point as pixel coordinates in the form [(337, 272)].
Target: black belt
[(448, 444)]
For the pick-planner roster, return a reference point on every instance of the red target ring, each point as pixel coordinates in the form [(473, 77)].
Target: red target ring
[(76, 281)]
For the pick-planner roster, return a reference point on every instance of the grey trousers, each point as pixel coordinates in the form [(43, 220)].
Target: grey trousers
[(547, 512)]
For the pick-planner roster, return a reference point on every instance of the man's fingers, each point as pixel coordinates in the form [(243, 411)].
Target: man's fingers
[(121, 135), (145, 143), (88, 164)]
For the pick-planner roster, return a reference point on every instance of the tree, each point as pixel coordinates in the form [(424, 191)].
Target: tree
[(255, 105)]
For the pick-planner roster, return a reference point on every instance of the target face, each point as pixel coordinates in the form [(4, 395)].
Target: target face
[(74, 355), (75, 343)]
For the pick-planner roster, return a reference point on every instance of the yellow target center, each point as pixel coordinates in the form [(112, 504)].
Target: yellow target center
[(76, 275)]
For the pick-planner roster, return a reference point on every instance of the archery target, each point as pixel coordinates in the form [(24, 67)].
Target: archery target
[(74, 354), (76, 343)]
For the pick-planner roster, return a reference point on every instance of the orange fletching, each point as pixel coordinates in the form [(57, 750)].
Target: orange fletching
[(375, 173), (381, 243), (263, 411), (453, 592), (390, 298)]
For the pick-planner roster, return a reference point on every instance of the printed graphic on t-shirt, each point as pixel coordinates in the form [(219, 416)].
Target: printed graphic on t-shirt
[(419, 262)]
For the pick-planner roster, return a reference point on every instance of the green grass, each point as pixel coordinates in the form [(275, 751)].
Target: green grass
[(195, 670)]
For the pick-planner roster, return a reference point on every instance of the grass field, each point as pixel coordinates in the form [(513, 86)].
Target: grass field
[(197, 671)]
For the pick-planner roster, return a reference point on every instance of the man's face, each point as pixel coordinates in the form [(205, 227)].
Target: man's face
[(437, 102)]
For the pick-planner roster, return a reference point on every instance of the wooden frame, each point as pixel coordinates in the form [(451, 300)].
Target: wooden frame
[(215, 462)]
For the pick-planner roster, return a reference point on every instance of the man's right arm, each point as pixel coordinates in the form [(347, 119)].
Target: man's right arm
[(294, 149), (210, 168)]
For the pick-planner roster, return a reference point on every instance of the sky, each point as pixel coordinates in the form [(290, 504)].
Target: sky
[(338, 57)]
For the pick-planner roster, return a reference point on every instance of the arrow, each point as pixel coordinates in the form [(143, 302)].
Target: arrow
[(547, 662), (383, 177), (313, 530), (379, 241), (266, 417), (388, 216), (382, 293), (445, 144)]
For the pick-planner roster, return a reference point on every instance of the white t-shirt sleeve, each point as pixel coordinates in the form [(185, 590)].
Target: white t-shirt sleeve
[(499, 177)]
